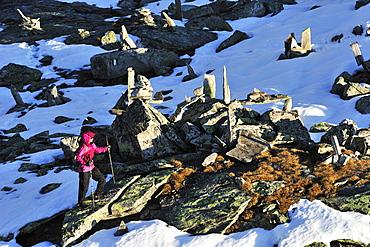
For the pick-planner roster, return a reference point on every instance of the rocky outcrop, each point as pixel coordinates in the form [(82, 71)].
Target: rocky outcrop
[(142, 132), (129, 196)]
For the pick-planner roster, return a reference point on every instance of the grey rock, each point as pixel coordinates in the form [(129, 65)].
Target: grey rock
[(211, 23), (288, 125), (346, 87), (344, 131), (321, 127), (247, 147), (213, 204), (143, 60), (361, 3), (143, 132), (18, 75), (235, 38), (267, 187), (180, 40)]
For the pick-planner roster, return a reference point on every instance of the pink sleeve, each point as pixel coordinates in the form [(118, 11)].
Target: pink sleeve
[(100, 149)]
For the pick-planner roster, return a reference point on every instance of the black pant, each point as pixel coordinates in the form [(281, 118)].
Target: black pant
[(83, 185)]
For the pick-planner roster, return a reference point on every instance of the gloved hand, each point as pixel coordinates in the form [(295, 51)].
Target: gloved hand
[(89, 163)]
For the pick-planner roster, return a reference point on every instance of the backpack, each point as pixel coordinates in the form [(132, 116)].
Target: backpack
[(70, 146)]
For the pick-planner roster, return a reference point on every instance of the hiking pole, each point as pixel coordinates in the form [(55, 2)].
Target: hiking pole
[(110, 160), (92, 189)]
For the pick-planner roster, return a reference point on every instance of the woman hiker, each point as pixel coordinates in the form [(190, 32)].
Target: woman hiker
[(86, 167)]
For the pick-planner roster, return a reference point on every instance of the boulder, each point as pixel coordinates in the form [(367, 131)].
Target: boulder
[(235, 38), (18, 75), (143, 60), (344, 132), (288, 125), (361, 3), (361, 141), (346, 87), (363, 105), (180, 40), (321, 127), (212, 23), (199, 11), (211, 205), (142, 132), (248, 146), (251, 9)]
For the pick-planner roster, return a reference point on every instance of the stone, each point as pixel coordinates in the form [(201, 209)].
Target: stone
[(361, 3), (363, 105), (361, 141), (211, 123), (127, 197), (49, 187), (358, 30), (344, 131), (182, 41), (28, 167), (212, 204), (143, 132), (321, 127), (16, 129), (346, 87), (109, 38), (20, 180), (355, 203), (190, 131), (211, 23), (18, 75), (143, 60), (235, 38), (289, 126), (247, 147), (210, 159), (62, 119), (267, 187), (70, 145), (347, 242), (122, 229)]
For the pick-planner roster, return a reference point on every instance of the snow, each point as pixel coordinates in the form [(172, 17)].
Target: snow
[(250, 64)]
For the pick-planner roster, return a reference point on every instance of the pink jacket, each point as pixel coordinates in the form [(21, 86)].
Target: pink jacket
[(86, 152)]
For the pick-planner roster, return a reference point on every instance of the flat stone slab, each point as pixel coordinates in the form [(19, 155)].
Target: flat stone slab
[(211, 205)]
